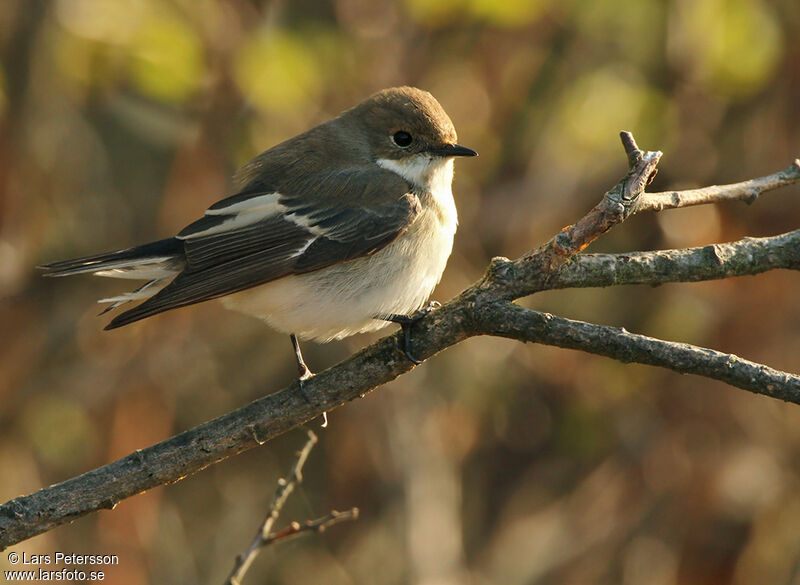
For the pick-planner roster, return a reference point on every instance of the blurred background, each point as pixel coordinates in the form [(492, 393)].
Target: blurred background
[(495, 463)]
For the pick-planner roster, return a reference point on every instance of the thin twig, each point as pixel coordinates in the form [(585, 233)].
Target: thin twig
[(293, 530), (312, 526), (504, 281), (282, 492)]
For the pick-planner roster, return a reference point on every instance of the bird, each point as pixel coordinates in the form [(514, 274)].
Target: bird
[(342, 229)]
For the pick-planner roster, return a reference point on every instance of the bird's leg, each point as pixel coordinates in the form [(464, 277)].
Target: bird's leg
[(406, 322), (304, 374)]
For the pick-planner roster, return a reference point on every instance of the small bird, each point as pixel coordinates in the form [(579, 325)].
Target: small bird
[(340, 230)]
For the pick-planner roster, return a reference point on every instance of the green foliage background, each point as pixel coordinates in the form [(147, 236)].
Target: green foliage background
[(495, 463)]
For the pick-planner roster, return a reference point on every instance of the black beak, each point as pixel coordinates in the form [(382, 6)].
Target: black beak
[(449, 150)]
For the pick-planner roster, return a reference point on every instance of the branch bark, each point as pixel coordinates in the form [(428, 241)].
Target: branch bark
[(747, 191), (515, 322), (486, 308), (745, 257)]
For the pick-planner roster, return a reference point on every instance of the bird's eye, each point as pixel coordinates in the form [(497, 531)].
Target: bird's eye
[(402, 139)]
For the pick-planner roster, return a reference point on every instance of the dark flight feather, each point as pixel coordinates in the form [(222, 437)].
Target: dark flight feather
[(169, 247)]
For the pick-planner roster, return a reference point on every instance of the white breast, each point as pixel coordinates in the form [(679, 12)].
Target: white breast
[(345, 298)]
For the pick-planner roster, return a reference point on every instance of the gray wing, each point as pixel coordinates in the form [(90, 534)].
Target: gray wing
[(255, 237)]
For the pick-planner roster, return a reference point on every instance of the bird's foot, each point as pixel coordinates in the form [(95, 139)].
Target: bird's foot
[(306, 374), (406, 322)]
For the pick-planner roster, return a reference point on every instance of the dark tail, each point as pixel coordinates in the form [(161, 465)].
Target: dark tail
[(128, 259)]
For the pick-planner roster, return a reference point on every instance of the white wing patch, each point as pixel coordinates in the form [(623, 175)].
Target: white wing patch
[(302, 250), (241, 214), (250, 211), (303, 222), (263, 204)]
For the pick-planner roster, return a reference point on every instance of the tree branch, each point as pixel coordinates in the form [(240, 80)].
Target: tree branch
[(741, 258), (474, 312), (515, 322), (747, 191), (536, 271)]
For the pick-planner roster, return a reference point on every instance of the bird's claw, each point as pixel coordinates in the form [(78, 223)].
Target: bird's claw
[(305, 374), (406, 322)]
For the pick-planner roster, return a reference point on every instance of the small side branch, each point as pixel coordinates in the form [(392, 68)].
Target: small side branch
[(747, 191), (265, 535), (282, 492), (317, 526), (515, 322)]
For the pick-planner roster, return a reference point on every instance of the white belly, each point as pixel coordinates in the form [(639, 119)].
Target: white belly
[(345, 299)]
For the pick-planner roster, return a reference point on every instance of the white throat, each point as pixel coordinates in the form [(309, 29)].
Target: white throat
[(424, 172), (433, 176)]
